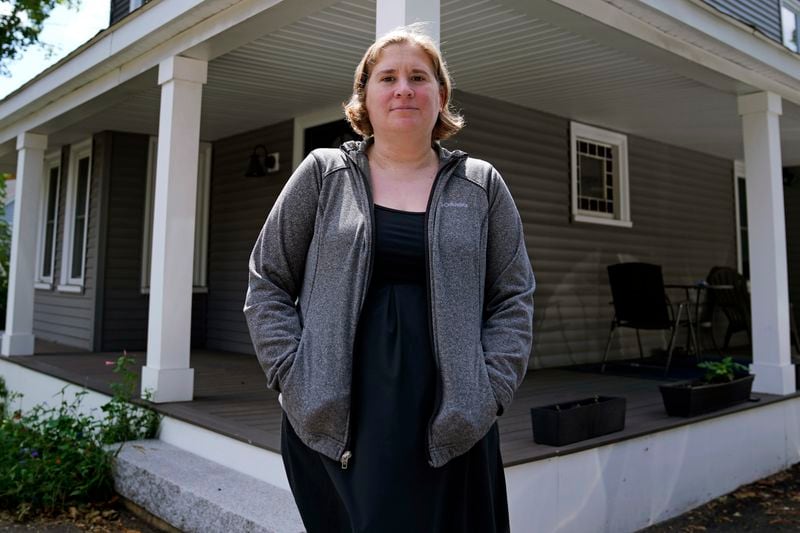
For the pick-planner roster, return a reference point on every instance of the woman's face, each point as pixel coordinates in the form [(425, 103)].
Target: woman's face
[(403, 95)]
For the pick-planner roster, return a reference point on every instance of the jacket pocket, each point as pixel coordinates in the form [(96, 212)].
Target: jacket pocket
[(468, 408)]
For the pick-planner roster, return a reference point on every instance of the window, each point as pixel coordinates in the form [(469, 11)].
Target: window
[(201, 217), (48, 223), (790, 11), (599, 161), (742, 243), (76, 217)]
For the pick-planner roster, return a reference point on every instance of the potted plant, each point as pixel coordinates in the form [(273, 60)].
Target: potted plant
[(567, 422), (725, 383)]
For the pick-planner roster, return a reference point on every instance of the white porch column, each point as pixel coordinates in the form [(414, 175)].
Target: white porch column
[(18, 337), (167, 374), (390, 14), (767, 239)]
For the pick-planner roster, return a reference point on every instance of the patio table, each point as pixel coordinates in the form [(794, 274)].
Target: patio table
[(694, 319)]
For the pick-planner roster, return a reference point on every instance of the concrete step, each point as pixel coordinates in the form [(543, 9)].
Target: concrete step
[(194, 494)]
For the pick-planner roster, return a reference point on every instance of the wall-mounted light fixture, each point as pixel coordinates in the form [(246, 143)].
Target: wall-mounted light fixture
[(262, 162)]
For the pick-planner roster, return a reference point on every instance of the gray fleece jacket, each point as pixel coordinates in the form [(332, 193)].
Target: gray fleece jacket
[(309, 274)]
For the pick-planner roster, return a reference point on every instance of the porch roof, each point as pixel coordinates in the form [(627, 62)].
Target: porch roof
[(544, 56), (231, 398)]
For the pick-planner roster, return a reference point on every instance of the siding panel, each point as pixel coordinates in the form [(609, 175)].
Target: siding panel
[(68, 318), (681, 206), (118, 10), (763, 14), (125, 308), (239, 207), (682, 209)]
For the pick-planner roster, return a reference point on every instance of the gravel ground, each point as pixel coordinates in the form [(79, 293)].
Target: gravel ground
[(771, 504)]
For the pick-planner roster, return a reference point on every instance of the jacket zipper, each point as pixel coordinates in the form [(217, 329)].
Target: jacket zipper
[(431, 333), (347, 455)]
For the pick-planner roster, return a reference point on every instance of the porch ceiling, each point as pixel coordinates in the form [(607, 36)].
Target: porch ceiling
[(549, 59)]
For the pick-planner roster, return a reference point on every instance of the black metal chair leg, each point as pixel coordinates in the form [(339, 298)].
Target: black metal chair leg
[(639, 340), (672, 338)]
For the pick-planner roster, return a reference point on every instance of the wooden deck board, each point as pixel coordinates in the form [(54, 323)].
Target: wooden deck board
[(231, 398)]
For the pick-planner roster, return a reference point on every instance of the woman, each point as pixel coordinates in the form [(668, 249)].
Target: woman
[(391, 304)]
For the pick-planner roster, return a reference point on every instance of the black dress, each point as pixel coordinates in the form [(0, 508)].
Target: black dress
[(388, 485)]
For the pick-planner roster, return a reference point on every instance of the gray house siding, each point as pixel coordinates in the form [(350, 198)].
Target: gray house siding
[(123, 309), (765, 15), (681, 206), (239, 207), (118, 9), (69, 318)]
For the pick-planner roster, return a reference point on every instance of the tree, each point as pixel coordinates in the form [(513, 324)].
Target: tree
[(21, 22)]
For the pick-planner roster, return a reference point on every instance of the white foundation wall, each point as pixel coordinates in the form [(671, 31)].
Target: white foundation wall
[(617, 488), (38, 388), (630, 485)]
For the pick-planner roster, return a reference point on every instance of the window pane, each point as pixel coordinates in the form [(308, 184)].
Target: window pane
[(49, 224), (47, 260), (789, 24), (742, 203), (592, 177), (76, 269), (77, 250)]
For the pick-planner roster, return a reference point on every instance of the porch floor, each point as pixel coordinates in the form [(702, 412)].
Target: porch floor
[(231, 398)]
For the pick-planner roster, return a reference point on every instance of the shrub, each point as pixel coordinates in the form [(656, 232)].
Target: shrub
[(52, 457)]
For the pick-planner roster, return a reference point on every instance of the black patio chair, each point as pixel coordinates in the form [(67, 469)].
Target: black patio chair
[(728, 293), (640, 302)]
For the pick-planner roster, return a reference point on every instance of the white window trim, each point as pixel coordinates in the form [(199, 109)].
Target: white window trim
[(303, 122), (200, 273), (794, 6), (134, 4), (76, 152), (622, 215), (51, 161)]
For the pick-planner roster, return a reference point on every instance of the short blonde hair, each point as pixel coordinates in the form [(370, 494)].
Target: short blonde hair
[(449, 122)]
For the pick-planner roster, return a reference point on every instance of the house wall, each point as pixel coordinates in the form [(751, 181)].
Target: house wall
[(68, 318), (123, 308), (118, 9), (239, 207), (682, 210), (763, 14), (791, 197)]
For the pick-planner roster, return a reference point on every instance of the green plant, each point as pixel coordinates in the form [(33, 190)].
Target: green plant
[(722, 371), (51, 457), (126, 420)]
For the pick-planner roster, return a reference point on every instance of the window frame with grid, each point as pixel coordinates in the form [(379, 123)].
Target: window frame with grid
[(48, 221), (611, 206), (76, 218)]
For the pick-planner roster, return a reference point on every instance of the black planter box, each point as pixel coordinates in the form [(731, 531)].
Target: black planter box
[(567, 422), (690, 398)]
